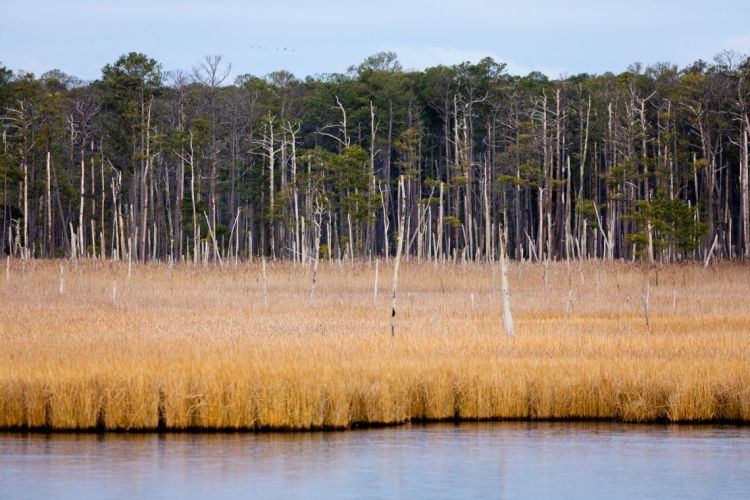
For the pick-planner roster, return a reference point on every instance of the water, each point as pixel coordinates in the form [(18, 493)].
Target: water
[(484, 460)]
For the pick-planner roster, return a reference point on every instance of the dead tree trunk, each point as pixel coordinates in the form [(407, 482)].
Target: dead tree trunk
[(318, 222), (399, 245), (507, 316)]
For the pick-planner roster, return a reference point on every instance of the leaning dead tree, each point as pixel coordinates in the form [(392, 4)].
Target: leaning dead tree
[(399, 245)]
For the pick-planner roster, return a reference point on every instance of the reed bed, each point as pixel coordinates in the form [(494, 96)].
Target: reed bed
[(183, 347)]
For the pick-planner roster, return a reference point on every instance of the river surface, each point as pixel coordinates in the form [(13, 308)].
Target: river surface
[(474, 460)]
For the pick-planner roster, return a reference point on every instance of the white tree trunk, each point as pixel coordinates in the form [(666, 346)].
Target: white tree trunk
[(439, 249), (318, 221), (745, 197), (25, 253), (507, 316), (49, 205), (399, 245)]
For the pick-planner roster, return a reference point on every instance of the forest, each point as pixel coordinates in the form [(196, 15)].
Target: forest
[(144, 164)]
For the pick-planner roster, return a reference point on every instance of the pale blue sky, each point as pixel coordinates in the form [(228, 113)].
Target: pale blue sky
[(81, 36)]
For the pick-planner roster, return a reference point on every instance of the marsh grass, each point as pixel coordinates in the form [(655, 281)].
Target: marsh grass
[(188, 347)]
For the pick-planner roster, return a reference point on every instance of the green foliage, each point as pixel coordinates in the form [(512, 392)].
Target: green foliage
[(6, 75), (130, 83), (673, 222), (440, 125), (407, 147), (128, 87), (348, 173), (133, 75), (452, 221), (187, 215), (380, 62), (512, 179), (588, 209), (221, 231)]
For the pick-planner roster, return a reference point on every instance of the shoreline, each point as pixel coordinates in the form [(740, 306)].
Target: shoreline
[(371, 426)]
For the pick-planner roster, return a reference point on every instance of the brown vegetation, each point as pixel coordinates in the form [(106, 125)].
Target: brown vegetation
[(195, 347)]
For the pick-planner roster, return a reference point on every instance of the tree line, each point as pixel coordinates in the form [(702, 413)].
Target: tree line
[(462, 160)]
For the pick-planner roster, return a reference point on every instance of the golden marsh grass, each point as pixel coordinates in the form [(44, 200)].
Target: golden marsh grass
[(196, 348)]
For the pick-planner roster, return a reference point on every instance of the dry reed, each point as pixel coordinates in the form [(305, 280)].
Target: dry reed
[(187, 347)]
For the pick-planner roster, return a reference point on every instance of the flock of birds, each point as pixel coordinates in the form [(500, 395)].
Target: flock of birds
[(259, 47)]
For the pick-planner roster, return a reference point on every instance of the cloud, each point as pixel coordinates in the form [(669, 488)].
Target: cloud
[(420, 57)]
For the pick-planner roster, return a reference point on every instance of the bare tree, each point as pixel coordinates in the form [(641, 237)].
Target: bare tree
[(318, 222), (507, 316), (210, 73), (399, 246)]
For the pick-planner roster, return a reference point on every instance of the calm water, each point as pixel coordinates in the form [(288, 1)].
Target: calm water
[(492, 460)]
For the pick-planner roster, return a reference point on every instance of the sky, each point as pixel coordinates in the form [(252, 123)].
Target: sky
[(307, 38)]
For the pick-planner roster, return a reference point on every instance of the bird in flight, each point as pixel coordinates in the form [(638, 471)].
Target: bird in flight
[(278, 49)]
